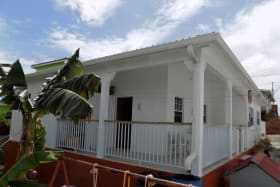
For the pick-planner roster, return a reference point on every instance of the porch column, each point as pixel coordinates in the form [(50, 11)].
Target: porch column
[(106, 79), (197, 122), (228, 109), (244, 138)]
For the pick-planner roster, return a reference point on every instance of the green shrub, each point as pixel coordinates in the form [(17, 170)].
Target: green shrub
[(4, 109)]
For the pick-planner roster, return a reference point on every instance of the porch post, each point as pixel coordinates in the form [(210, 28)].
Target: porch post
[(106, 79), (228, 109), (197, 123), (244, 138)]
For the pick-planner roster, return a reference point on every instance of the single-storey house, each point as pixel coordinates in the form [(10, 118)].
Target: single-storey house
[(184, 105)]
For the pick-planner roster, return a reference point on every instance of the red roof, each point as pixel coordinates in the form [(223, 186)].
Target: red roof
[(268, 165), (263, 162)]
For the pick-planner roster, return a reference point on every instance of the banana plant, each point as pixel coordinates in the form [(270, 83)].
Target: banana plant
[(64, 95), (24, 164)]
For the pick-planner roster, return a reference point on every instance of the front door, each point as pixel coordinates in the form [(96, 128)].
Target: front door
[(124, 116)]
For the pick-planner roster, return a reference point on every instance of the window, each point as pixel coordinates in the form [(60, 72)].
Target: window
[(178, 110), (251, 117), (204, 113), (258, 118)]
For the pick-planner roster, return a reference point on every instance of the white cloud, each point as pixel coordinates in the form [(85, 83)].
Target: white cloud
[(254, 36), (91, 48), (180, 10), (93, 12), (6, 58), (166, 20), (203, 28)]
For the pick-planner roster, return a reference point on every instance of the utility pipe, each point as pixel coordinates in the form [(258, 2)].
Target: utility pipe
[(198, 88)]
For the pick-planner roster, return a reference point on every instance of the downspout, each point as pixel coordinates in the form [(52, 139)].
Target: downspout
[(195, 131)]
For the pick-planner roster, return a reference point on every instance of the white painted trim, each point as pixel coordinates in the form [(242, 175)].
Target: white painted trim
[(228, 107), (194, 162), (106, 79)]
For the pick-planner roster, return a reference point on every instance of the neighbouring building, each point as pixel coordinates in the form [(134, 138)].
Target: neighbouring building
[(184, 105), (269, 110)]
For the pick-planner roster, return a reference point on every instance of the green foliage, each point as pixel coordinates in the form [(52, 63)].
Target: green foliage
[(63, 95), (263, 144), (39, 138), (84, 85), (26, 163), (13, 87), (64, 103), (3, 112)]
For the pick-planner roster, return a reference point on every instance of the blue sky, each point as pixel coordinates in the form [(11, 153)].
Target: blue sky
[(37, 31)]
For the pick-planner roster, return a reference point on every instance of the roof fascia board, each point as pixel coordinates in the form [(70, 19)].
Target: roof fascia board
[(198, 40), (244, 73)]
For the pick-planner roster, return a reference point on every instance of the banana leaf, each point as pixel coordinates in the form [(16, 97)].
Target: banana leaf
[(16, 75), (84, 85), (64, 103), (71, 69), (26, 163), (13, 85)]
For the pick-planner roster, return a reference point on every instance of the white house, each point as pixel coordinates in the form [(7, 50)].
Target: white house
[(184, 105)]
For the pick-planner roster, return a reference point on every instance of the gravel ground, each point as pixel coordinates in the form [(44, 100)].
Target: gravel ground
[(275, 154), (275, 151)]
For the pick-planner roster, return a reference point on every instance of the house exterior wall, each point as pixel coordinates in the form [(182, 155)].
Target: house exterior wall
[(254, 131), (95, 101), (238, 109), (148, 87), (179, 85), (214, 100)]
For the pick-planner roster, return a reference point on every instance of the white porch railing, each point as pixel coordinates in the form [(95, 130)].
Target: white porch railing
[(216, 140), (215, 144), (163, 144), (238, 138), (80, 136), (149, 143)]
